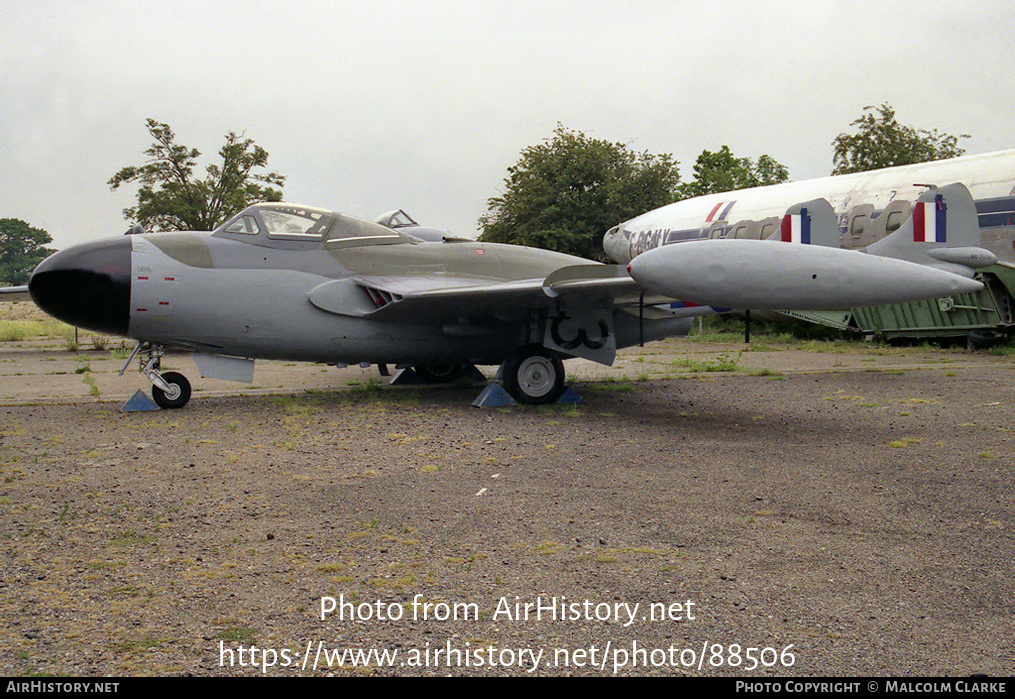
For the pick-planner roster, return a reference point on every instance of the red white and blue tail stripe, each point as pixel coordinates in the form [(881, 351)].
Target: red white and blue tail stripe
[(796, 228), (929, 221)]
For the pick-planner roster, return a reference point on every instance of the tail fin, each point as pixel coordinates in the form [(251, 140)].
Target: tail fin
[(943, 232), (811, 223)]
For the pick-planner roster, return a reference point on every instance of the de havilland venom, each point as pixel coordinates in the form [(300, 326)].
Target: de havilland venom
[(284, 281)]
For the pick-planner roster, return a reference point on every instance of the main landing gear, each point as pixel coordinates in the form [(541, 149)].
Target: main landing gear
[(170, 390), (533, 375)]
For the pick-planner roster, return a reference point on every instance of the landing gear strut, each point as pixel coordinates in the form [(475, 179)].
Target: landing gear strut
[(169, 390), (534, 375)]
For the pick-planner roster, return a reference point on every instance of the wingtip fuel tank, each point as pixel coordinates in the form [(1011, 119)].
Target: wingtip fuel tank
[(771, 275), (801, 266)]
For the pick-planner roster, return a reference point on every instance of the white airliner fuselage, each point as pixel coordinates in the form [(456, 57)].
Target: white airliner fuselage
[(868, 205)]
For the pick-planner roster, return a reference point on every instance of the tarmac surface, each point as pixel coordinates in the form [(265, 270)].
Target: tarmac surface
[(813, 509), (44, 372)]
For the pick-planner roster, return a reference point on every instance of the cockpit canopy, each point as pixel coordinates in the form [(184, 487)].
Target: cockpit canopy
[(293, 226), (403, 222), (395, 219)]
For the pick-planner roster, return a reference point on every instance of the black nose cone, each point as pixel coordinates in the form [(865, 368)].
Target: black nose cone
[(87, 286)]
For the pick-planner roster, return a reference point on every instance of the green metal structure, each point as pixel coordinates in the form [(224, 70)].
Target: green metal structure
[(985, 312)]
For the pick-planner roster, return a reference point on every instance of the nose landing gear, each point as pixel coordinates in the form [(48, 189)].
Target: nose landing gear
[(170, 390), (178, 392)]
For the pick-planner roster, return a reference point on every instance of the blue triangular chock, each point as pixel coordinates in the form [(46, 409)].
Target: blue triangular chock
[(138, 403), (569, 397), (493, 396)]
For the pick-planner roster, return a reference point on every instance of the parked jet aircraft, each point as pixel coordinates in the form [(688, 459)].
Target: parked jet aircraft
[(286, 281), (292, 282)]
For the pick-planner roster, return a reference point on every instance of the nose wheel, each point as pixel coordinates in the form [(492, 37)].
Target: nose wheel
[(170, 390), (177, 391), (533, 375)]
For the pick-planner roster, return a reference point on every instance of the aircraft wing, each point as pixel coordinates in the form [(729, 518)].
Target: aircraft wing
[(15, 293), (577, 302), (416, 298)]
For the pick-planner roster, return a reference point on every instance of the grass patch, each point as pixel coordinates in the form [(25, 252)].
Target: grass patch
[(837, 346), (21, 330), (611, 384), (723, 362), (121, 351), (130, 538), (729, 328), (235, 634), (142, 645)]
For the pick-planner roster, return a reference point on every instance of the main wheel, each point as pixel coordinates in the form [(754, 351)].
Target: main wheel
[(439, 373), (534, 375), (178, 394)]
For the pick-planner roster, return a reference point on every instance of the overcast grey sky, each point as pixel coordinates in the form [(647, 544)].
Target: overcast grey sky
[(367, 107)]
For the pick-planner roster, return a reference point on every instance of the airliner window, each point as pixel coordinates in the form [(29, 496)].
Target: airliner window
[(894, 221), (296, 223), (856, 226)]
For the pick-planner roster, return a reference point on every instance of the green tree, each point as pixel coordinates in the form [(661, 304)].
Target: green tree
[(171, 198), (21, 249), (881, 141), (566, 192), (722, 171)]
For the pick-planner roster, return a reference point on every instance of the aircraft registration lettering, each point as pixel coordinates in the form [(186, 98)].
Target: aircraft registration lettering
[(646, 240)]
